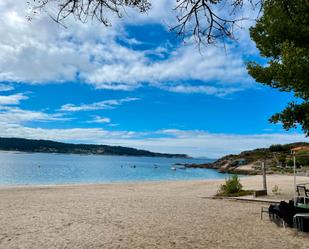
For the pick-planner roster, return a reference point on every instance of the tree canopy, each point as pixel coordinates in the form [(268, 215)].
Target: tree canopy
[(282, 36), (204, 20)]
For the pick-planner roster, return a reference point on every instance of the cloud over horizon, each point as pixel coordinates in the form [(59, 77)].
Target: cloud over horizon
[(194, 143)]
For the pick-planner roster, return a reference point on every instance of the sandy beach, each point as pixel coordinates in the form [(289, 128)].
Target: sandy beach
[(172, 214)]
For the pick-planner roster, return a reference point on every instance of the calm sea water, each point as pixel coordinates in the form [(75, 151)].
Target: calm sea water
[(41, 168)]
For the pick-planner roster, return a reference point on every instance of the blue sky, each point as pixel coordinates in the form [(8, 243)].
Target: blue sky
[(134, 84)]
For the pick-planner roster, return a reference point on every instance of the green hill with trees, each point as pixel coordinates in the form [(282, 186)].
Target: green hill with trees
[(46, 146), (277, 158)]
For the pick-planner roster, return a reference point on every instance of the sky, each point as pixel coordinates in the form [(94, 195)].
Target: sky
[(133, 84)]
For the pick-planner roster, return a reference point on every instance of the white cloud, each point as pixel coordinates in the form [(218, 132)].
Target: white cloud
[(6, 87), (15, 116), (220, 72), (44, 52), (89, 135), (12, 99), (210, 90), (98, 119), (106, 104), (10, 113)]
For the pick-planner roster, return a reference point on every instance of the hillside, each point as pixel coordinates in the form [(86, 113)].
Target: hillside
[(46, 146), (277, 158)]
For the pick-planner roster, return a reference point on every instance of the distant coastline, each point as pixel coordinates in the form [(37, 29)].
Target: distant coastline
[(48, 146)]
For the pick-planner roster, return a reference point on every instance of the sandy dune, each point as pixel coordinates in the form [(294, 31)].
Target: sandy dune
[(140, 215)]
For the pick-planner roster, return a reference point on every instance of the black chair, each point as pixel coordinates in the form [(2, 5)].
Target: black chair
[(275, 214), (287, 212), (282, 213)]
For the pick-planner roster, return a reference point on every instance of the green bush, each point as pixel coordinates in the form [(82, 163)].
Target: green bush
[(298, 163), (277, 148), (282, 159), (290, 163), (302, 160), (232, 185)]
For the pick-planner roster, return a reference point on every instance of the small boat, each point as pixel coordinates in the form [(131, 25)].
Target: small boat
[(173, 168)]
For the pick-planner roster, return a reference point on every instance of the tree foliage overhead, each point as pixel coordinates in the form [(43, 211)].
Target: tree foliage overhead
[(84, 10), (282, 36), (202, 19)]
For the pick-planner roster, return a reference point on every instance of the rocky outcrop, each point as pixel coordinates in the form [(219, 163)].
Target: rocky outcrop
[(250, 162)]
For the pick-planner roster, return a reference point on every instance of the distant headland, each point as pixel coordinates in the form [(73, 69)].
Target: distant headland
[(47, 146), (277, 158)]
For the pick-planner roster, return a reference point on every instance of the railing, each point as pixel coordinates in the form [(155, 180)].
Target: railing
[(303, 185), (303, 193), (303, 189)]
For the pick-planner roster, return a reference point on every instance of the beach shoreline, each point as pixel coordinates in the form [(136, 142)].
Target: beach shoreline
[(70, 185), (164, 214)]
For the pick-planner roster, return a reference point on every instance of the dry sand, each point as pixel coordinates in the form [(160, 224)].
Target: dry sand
[(140, 215)]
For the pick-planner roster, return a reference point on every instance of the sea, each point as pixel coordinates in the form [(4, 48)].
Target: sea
[(18, 168)]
